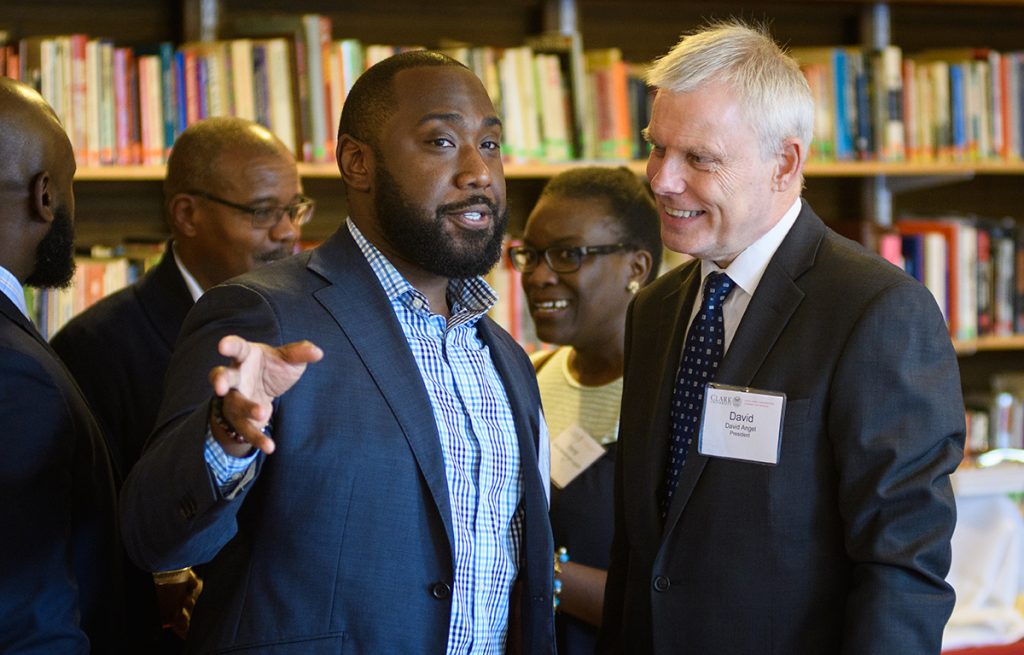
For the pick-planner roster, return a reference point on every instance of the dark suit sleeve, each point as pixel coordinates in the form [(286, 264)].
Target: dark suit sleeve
[(39, 605), (172, 513), (618, 566), (897, 426)]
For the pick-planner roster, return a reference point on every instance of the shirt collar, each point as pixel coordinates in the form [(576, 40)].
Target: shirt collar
[(11, 287), (470, 296), (749, 266), (190, 282)]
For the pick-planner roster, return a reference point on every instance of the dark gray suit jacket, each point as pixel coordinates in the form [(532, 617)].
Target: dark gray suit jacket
[(342, 543), (118, 351), (844, 545)]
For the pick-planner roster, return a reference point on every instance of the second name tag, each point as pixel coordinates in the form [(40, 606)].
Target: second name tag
[(741, 423)]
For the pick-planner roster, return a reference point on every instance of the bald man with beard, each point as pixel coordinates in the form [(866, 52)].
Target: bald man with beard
[(60, 562), (233, 201)]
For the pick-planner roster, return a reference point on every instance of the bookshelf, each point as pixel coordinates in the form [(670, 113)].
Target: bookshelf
[(125, 201)]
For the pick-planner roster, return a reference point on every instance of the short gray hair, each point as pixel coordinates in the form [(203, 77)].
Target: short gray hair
[(772, 91)]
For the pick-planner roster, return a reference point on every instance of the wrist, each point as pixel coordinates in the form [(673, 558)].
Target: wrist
[(561, 557), (176, 576), (218, 419)]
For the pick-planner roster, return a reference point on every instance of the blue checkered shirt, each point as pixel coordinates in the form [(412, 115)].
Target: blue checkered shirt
[(478, 442), (10, 287)]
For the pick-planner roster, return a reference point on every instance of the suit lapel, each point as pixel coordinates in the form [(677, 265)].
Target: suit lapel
[(165, 298), (362, 311), (11, 311), (675, 307), (776, 298)]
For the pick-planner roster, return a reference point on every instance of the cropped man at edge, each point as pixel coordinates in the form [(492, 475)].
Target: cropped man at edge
[(391, 499), (804, 506), (60, 559), (233, 201)]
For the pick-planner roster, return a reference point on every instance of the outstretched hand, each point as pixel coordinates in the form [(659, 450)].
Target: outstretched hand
[(258, 374)]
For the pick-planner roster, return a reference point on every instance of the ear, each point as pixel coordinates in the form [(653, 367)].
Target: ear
[(790, 163), (44, 198), (356, 163), (640, 266), (182, 212)]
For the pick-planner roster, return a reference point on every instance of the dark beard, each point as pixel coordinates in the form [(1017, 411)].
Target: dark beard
[(55, 254), (421, 238)]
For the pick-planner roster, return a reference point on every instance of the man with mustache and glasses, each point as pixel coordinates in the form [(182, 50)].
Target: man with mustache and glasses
[(391, 498), (60, 563), (233, 202)]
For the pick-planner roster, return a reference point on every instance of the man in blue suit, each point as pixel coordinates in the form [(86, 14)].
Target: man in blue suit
[(391, 498), (60, 559)]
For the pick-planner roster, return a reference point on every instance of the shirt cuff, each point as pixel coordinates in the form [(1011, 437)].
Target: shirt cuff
[(227, 470)]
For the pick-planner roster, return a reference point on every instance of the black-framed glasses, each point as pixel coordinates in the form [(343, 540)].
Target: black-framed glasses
[(299, 212), (560, 259)]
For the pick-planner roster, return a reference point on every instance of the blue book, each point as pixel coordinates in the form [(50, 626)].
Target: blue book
[(913, 255), (957, 115), (180, 115), (843, 131), (167, 95)]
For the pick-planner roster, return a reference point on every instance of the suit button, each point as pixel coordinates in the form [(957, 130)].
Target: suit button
[(661, 583), (440, 591)]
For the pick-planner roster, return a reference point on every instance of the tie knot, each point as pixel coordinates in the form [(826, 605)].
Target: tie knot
[(717, 286)]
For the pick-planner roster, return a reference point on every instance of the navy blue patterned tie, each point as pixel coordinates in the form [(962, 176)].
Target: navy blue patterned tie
[(705, 344)]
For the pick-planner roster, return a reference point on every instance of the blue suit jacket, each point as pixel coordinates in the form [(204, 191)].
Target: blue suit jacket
[(60, 558), (842, 547), (342, 542)]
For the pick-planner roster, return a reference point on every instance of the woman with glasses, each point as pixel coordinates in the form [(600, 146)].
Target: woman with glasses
[(590, 243)]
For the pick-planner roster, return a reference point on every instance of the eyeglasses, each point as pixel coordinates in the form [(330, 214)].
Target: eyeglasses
[(560, 259), (299, 212)]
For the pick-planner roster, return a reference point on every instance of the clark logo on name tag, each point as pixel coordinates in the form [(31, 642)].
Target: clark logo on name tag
[(741, 423)]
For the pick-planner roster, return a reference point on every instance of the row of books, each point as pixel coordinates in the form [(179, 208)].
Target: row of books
[(125, 105), (973, 266), (100, 274), (949, 105)]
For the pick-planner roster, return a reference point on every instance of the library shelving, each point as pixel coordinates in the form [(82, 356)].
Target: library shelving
[(124, 202)]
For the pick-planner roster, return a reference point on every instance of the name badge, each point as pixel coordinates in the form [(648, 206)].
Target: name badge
[(572, 452), (742, 424)]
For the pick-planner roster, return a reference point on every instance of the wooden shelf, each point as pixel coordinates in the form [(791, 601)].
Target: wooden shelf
[(989, 344), (544, 170)]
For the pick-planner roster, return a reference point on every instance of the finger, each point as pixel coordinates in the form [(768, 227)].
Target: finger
[(263, 442), (181, 623), (248, 419), (223, 379), (234, 347), (300, 352)]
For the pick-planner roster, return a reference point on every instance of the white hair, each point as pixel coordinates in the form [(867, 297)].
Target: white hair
[(771, 90)]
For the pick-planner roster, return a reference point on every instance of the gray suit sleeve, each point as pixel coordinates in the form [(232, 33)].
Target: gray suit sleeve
[(897, 425)]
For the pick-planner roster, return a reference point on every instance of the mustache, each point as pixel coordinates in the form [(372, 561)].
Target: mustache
[(472, 201), (273, 255)]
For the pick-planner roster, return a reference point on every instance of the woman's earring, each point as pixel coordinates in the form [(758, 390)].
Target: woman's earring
[(633, 287)]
